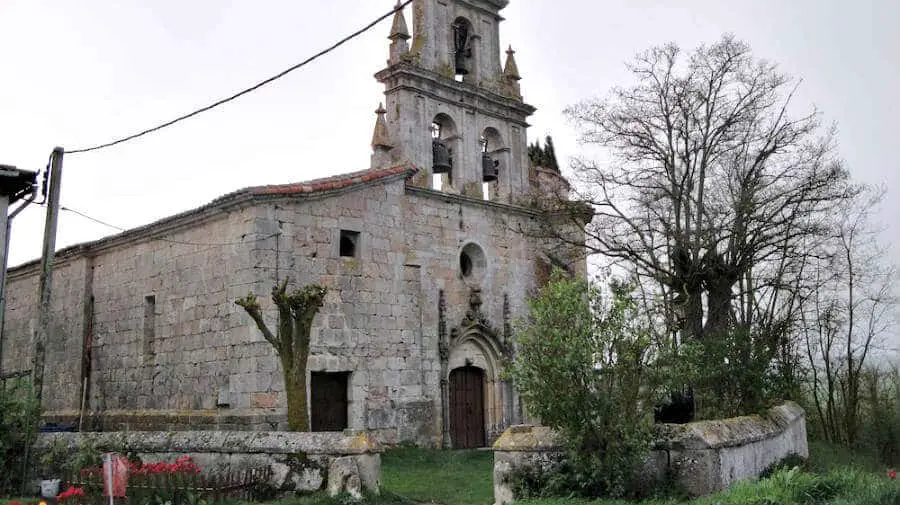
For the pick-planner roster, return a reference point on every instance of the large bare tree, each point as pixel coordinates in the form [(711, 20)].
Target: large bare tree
[(712, 188)]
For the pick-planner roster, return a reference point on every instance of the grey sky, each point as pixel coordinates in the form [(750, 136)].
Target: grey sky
[(76, 73)]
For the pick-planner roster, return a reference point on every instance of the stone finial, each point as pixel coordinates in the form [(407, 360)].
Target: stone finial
[(510, 83), (511, 70), (399, 36), (380, 135), (399, 29)]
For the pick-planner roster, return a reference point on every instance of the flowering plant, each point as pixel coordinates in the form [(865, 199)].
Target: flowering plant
[(892, 473), (182, 465), (68, 494)]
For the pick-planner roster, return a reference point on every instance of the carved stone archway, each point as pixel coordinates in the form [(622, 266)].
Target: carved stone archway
[(475, 343)]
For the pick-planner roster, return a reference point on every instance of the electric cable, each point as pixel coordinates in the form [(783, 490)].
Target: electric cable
[(161, 239), (245, 91)]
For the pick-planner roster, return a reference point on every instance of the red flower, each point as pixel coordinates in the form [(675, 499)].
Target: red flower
[(70, 493), (182, 465), (892, 474), (14, 503)]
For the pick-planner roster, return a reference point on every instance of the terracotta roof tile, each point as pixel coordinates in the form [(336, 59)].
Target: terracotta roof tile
[(330, 183)]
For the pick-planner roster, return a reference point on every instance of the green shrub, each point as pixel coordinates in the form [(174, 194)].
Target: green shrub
[(20, 413), (581, 367), (786, 463), (728, 375), (529, 482)]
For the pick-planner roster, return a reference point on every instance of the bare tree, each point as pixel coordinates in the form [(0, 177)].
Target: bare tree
[(296, 312), (712, 187), (854, 307)]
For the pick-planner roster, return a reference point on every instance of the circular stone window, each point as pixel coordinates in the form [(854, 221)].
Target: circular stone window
[(472, 262)]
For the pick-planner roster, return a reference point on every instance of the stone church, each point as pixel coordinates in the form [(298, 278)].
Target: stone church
[(426, 255)]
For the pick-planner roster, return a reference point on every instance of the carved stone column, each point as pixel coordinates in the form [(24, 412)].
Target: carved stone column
[(444, 355)]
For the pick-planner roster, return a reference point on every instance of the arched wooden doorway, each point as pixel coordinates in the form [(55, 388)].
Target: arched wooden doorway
[(467, 407)]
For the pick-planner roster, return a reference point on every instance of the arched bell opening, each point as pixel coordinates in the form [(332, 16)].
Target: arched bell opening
[(444, 140), (494, 160), (464, 48)]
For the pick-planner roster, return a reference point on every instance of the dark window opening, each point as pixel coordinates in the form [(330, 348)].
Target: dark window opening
[(465, 264), (472, 263), (328, 401), (149, 327), (349, 243)]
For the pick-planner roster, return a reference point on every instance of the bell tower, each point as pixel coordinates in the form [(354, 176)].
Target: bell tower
[(451, 109)]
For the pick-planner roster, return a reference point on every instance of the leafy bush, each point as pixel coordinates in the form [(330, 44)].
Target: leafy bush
[(790, 461), (529, 482), (54, 460), (729, 377), (20, 413), (596, 352)]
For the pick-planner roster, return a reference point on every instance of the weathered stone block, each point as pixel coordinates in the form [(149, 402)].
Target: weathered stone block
[(263, 400)]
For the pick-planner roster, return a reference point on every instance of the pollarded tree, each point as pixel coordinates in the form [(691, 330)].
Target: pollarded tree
[(296, 312), (713, 190)]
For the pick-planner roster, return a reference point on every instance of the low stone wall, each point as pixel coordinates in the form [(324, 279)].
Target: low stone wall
[(339, 461), (703, 457)]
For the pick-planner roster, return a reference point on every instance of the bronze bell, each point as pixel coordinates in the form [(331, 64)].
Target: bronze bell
[(461, 48), (461, 62), (442, 163), (489, 168)]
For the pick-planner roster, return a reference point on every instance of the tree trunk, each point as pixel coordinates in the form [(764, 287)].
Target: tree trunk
[(295, 386)]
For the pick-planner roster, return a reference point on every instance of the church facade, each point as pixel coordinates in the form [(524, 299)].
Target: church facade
[(426, 255)]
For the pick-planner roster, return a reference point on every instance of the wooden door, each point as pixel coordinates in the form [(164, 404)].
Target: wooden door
[(328, 401), (467, 407)]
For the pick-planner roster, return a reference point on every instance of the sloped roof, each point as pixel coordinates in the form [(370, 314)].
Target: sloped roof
[(315, 187), (324, 184)]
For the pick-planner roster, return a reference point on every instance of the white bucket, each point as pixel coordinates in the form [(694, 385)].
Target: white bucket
[(50, 488)]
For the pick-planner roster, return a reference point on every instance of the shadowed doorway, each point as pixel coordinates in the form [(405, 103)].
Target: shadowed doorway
[(467, 407)]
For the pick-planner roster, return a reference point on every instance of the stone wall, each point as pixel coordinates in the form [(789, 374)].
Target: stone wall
[(704, 456), (63, 353), (149, 316), (349, 461)]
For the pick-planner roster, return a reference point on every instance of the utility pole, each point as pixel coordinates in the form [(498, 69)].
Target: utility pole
[(43, 330)]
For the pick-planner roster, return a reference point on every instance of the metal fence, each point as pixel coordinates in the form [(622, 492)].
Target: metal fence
[(182, 488)]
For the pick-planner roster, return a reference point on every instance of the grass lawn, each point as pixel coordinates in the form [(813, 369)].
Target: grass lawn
[(445, 477)]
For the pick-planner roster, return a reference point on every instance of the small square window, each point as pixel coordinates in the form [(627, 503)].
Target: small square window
[(349, 245)]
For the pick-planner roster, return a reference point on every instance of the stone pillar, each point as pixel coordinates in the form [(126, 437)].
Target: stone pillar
[(444, 355)]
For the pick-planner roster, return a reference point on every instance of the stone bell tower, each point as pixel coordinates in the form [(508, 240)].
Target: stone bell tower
[(452, 110)]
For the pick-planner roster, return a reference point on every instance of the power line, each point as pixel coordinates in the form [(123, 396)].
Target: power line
[(247, 90), (163, 239)]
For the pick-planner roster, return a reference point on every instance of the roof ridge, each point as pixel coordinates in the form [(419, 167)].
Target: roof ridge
[(327, 183)]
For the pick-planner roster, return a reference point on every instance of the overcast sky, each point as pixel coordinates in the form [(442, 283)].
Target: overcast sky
[(78, 73)]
